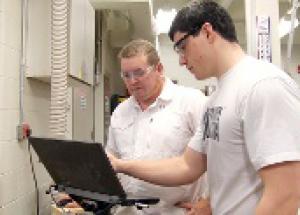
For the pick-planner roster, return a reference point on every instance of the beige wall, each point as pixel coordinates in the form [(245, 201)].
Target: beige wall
[(17, 195)]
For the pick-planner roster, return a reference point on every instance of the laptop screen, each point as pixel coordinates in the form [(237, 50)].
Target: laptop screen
[(76, 164)]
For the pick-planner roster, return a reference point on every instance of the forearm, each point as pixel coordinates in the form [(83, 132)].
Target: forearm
[(281, 194), (168, 172), (284, 203)]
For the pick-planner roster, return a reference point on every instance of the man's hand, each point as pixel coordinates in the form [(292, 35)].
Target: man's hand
[(64, 200), (173, 171), (202, 207), (113, 161)]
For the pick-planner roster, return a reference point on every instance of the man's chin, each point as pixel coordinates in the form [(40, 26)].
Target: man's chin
[(138, 96), (200, 76)]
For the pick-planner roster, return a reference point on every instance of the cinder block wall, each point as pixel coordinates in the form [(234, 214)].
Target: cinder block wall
[(17, 193)]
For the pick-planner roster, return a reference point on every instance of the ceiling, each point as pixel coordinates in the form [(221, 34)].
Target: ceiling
[(140, 14), (236, 9)]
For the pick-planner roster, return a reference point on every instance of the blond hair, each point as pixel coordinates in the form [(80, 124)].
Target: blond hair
[(140, 47)]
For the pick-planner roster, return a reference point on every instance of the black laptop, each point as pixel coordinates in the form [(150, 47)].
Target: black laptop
[(83, 169)]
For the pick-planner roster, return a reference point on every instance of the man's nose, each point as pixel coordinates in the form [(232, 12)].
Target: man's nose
[(182, 60), (132, 79)]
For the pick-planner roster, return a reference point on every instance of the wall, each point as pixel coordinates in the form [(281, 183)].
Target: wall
[(294, 62), (110, 81), (17, 194), (110, 62), (172, 68)]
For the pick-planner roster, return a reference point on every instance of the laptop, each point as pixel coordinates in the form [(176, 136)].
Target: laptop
[(83, 169)]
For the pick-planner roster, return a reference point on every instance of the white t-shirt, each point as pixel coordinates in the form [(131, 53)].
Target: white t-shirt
[(251, 121), (162, 130)]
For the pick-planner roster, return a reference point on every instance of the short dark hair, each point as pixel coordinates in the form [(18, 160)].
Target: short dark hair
[(195, 14)]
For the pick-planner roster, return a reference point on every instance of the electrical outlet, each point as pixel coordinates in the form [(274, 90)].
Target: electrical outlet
[(23, 131)]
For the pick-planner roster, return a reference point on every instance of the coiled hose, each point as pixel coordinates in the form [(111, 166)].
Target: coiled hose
[(59, 67)]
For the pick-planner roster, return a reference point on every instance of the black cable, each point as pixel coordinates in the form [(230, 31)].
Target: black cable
[(35, 182)]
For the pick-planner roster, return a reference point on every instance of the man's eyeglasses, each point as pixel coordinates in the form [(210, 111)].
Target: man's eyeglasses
[(179, 46), (139, 73)]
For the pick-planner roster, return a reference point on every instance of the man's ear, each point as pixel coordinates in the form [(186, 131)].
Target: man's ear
[(209, 32), (160, 68)]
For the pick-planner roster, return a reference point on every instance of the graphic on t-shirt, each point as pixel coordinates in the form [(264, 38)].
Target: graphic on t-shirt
[(211, 123)]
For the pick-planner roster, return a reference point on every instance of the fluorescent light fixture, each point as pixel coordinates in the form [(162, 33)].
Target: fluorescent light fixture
[(163, 20), (285, 26)]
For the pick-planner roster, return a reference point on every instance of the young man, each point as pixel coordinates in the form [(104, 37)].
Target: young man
[(249, 135), (157, 121)]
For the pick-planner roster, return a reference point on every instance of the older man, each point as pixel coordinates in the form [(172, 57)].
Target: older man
[(157, 121)]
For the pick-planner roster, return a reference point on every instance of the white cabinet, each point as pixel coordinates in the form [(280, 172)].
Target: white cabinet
[(81, 40)]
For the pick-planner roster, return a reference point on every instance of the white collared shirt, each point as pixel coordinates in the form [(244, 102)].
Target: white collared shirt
[(162, 130)]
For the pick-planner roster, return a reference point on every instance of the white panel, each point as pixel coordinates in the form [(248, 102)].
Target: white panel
[(77, 35), (39, 38), (82, 113), (90, 42), (81, 46), (82, 40)]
